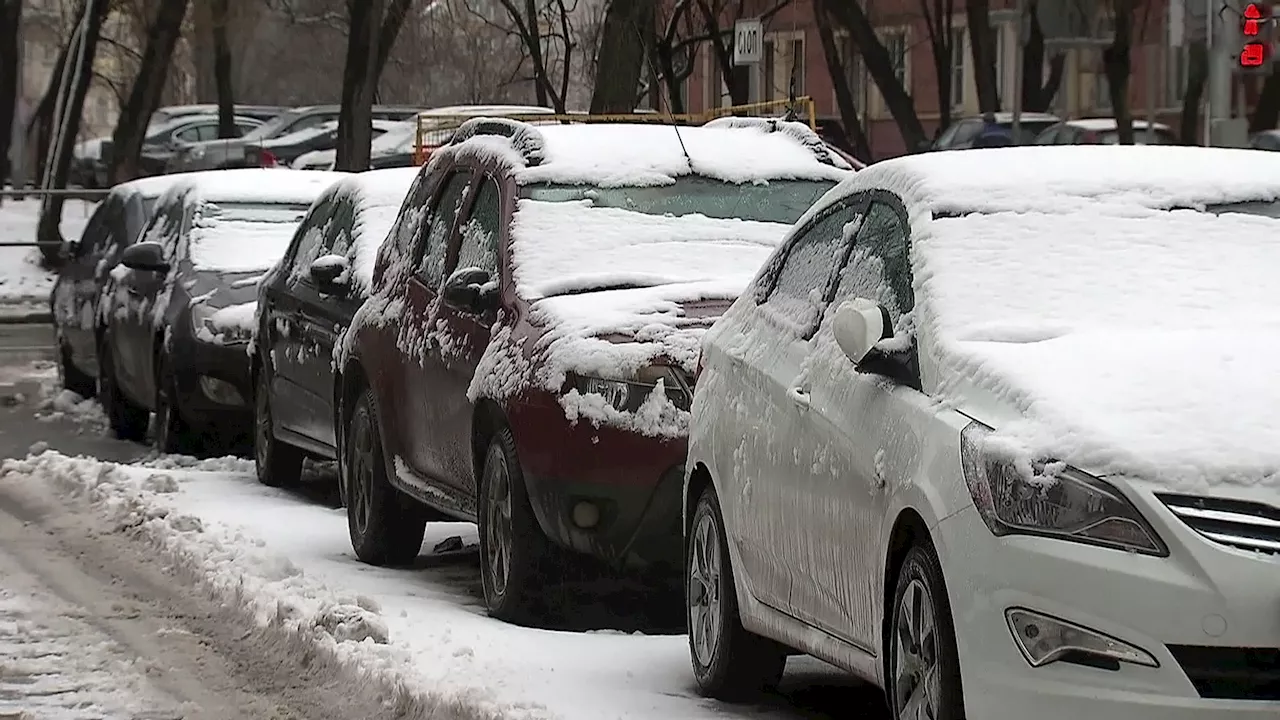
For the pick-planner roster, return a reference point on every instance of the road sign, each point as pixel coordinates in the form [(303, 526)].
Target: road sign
[(748, 42)]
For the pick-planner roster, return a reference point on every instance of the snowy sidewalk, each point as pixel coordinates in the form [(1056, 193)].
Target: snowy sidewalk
[(24, 285)]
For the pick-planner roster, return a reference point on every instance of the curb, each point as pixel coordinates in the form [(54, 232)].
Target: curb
[(29, 317)]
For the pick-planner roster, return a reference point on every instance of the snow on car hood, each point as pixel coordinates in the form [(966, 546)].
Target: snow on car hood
[(1135, 342)]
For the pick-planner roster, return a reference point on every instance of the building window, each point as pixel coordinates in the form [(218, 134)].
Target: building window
[(957, 67), (796, 81), (1176, 76), (895, 41), (997, 33), (770, 69)]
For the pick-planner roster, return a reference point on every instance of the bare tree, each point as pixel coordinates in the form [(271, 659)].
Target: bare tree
[(144, 97), (359, 82), (627, 23), (222, 69), (939, 22), (849, 111), (545, 30), (10, 17), (1197, 76), (1037, 90), (880, 67), (982, 46)]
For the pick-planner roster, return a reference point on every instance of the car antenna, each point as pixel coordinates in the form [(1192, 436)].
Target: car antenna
[(653, 73)]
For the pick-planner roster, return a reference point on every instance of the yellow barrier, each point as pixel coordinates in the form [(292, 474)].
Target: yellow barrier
[(436, 130)]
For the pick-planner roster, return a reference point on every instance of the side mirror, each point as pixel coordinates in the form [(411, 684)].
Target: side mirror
[(145, 256), (470, 290), (858, 325), (329, 273)]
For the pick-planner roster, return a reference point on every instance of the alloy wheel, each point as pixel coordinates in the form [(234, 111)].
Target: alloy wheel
[(360, 475), (262, 431), (705, 607), (917, 685), (498, 526)]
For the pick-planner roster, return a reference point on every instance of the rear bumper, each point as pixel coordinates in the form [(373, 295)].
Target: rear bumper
[(630, 482)]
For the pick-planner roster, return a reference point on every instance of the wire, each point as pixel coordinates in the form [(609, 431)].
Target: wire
[(653, 72)]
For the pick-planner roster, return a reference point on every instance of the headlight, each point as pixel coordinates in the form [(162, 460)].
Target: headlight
[(629, 395), (1050, 499)]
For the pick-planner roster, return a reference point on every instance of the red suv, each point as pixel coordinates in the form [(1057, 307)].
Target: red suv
[(526, 359)]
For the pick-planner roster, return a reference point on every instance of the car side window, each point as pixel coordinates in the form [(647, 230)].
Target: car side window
[(311, 239), (93, 232), (444, 211), (479, 245), (338, 239), (800, 288), (968, 132), (879, 266)]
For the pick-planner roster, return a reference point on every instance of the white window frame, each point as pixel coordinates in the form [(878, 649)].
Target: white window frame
[(959, 65), (778, 46), (856, 74)]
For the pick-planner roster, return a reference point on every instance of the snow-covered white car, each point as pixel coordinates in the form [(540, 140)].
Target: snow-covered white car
[(526, 357), (177, 312), (998, 431)]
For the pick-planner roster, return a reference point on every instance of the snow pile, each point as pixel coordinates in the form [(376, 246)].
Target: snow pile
[(1130, 340), (343, 633), (66, 405)]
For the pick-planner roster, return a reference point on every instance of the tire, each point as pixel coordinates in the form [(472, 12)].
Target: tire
[(172, 433), (386, 526), (923, 664), (513, 549), (71, 377), (730, 663), (127, 420), (278, 464)]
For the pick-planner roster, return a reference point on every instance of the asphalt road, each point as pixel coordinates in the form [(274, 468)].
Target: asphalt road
[(53, 555)]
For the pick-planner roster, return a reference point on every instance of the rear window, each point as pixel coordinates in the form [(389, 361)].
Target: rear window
[(242, 237)]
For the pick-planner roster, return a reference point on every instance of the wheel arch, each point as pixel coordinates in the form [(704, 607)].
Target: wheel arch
[(699, 479), (909, 529), (485, 421)]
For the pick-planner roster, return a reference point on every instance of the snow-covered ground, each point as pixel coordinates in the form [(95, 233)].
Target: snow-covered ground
[(418, 634), (22, 281)]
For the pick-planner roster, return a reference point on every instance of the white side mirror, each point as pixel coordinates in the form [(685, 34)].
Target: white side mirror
[(858, 325)]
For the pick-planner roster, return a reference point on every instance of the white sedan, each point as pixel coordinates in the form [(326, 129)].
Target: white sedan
[(998, 431)]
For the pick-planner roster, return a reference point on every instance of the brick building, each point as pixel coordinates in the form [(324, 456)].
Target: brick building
[(792, 49)]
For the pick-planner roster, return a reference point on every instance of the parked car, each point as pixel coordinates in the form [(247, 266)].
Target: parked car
[(1265, 140), (257, 112), (304, 303), (114, 225), (392, 149), (177, 312), (1008, 448), (218, 154), (548, 299), (1104, 131), (996, 130), (438, 124), (177, 136), (282, 151)]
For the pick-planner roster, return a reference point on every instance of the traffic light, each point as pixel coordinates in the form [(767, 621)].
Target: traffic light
[(1257, 28)]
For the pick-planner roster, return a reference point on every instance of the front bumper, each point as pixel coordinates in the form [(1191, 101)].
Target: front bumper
[(1205, 599), (225, 412), (633, 482)]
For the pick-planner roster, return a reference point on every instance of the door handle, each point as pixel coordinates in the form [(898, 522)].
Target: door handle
[(800, 396)]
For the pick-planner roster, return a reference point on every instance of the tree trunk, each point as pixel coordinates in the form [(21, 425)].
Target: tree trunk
[(939, 21), (144, 96), (355, 119), (1037, 91), (1267, 112), (222, 69), (80, 65), (722, 53), (1118, 63), (1197, 76), (880, 68), (621, 56), (10, 18), (845, 103), (982, 44), (41, 123), (397, 12), (671, 81)]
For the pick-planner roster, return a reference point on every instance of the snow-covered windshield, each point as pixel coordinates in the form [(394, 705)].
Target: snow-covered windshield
[(396, 139), (231, 237), (1031, 276), (777, 201)]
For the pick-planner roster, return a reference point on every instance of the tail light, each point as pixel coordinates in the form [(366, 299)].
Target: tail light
[(267, 159), (1089, 138)]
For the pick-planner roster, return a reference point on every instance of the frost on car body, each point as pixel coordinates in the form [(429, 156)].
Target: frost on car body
[(555, 280), (1066, 422)]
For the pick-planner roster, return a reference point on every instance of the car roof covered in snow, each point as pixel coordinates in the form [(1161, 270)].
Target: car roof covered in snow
[(148, 187), (644, 154), (1069, 178), (258, 185)]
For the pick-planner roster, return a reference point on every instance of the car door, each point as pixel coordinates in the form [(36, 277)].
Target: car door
[(457, 338), (417, 444), (73, 278), (768, 512), (322, 317), (855, 432), (285, 323)]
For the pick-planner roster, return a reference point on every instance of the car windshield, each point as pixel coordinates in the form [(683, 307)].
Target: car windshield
[(395, 139), (777, 201), (229, 237), (272, 126)]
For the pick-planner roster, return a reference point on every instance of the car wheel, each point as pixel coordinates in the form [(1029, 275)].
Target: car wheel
[(278, 464), (71, 377), (172, 433), (127, 420), (729, 662), (386, 527), (924, 666), (512, 545)]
